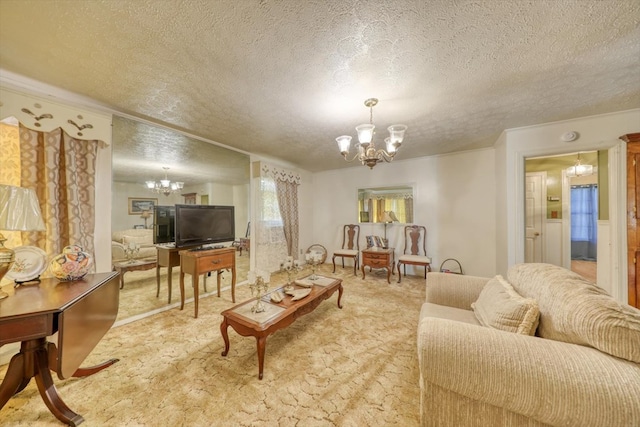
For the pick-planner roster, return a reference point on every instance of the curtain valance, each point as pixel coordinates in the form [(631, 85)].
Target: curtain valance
[(43, 115), (279, 174)]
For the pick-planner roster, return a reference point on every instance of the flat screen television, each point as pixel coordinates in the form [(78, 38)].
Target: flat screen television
[(204, 224), (164, 224)]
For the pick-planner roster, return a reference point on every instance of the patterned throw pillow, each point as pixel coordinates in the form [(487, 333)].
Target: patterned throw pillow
[(500, 307)]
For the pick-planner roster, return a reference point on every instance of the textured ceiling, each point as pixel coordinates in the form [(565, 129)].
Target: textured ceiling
[(284, 78)]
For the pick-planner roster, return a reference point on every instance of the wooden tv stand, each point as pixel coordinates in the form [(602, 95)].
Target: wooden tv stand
[(200, 262)]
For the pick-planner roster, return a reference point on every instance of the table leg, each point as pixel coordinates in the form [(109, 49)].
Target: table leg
[(339, 295), (225, 336), (50, 394), (157, 280), (14, 379), (218, 274), (33, 361), (389, 274), (363, 271), (181, 290), (196, 292), (121, 278), (233, 284), (262, 344), (169, 275), (85, 372)]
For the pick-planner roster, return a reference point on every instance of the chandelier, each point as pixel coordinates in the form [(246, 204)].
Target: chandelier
[(579, 169), (164, 186), (367, 153)]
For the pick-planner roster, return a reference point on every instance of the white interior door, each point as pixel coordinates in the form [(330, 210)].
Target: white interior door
[(535, 211)]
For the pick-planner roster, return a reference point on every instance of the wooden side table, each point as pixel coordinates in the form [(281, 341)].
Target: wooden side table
[(375, 257), (80, 312), (200, 262)]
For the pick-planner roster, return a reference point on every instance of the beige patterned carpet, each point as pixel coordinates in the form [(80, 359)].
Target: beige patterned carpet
[(355, 366)]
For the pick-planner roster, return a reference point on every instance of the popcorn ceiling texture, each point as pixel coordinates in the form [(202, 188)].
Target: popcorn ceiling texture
[(286, 77)]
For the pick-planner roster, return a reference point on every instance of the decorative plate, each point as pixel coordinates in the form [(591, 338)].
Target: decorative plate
[(30, 262)]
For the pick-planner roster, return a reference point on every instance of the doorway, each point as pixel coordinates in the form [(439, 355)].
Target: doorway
[(559, 230)]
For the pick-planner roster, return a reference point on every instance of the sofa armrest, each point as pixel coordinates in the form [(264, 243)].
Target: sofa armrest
[(117, 251), (553, 382), (454, 290)]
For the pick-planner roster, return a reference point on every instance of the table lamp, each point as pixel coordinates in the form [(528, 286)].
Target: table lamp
[(19, 211), (387, 219), (145, 215)]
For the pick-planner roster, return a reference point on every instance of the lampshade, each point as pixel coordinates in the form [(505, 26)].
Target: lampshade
[(365, 133), (145, 214), (386, 217), (19, 209)]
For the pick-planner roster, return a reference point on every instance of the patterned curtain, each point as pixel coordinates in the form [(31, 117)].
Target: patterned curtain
[(271, 246), (61, 170), (408, 207), (379, 209), (276, 205), (288, 201)]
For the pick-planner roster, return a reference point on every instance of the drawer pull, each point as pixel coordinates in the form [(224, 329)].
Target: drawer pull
[(215, 261)]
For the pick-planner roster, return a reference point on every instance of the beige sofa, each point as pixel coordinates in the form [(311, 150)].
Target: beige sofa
[(142, 237), (581, 368)]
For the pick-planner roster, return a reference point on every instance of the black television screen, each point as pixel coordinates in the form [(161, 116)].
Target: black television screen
[(204, 224), (164, 219)]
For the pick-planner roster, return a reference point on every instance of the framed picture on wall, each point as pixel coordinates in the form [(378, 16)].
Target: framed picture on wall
[(190, 198), (138, 204)]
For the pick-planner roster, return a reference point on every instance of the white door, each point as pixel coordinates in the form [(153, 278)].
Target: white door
[(535, 207)]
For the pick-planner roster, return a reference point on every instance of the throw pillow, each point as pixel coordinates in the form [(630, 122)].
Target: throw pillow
[(500, 307)]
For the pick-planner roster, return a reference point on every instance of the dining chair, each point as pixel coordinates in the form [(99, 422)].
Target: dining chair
[(350, 247), (415, 250)]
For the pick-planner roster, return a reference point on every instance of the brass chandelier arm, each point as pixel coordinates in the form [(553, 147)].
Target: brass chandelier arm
[(380, 154)]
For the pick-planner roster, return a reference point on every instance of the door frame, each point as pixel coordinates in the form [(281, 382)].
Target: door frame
[(617, 274)]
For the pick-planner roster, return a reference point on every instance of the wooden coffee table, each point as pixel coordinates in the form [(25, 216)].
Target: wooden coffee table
[(277, 315), (135, 265)]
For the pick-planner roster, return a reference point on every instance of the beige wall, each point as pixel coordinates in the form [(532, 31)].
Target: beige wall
[(454, 200)]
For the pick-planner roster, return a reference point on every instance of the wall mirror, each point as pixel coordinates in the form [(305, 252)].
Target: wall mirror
[(386, 204), (209, 174)]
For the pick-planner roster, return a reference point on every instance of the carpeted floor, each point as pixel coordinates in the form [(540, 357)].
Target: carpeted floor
[(355, 366)]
